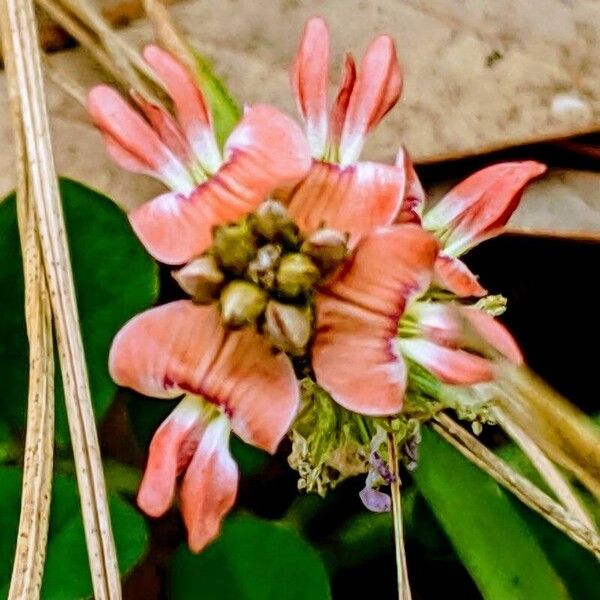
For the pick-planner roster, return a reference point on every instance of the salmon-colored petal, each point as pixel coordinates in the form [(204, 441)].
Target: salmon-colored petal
[(375, 92), (130, 140), (171, 451), (310, 78), (413, 203), (479, 207), (266, 150), (353, 199), (357, 313), (453, 366), (448, 325), (494, 333), (192, 111), (166, 127), (453, 275), (209, 487), (340, 105), (181, 348)]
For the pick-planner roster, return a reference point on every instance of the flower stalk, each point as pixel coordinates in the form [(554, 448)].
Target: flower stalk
[(401, 565)]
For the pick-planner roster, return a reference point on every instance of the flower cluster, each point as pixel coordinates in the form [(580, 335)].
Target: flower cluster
[(299, 260)]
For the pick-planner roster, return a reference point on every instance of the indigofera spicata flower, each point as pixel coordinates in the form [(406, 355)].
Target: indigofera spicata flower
[(299, 261)]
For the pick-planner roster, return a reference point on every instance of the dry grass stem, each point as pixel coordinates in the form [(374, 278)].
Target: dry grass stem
[(32, 534), (563, 432), (22, 33), (520, 486), (546, 468)]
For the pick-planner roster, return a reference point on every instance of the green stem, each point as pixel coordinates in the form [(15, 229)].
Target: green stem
[(401, 567)]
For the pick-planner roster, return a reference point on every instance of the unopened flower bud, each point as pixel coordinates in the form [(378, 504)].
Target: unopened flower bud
[(234, 246), (262, 268), (272, 222), (200, 278), (296, 274), (327, 247), (242, 303), (288, 327)]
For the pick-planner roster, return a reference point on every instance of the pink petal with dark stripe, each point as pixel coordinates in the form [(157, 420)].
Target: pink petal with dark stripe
[(353, 199), (266, 150), (354, 353), (181, 348)]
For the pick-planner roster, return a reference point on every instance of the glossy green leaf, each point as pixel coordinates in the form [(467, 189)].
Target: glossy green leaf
[(489, 534), (66, 575), (252, 560), (114, 279), (225, 110)]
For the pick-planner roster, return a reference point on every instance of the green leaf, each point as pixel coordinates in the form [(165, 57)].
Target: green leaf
[(114, 280), (225, 110), (66, 575), (488, 533), (579, 568), (252, 560)]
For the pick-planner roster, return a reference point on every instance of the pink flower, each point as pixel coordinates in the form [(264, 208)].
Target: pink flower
[(358, 195), (475, 210), (234, 379), (358, 356), (182, 348), (266, 150)]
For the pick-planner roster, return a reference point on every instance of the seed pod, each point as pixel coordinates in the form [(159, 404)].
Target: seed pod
[(201, 278), (242, 303), (234, 246), (296, 274), (272, 222), (327, 247), (288, 327), (262, 269)]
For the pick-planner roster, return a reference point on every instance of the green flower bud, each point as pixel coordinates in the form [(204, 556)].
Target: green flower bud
[(288, 327), (296, 274), (262, 269), (327, 247), (200, 278), (242, 303), (272, 222), (234, 246)]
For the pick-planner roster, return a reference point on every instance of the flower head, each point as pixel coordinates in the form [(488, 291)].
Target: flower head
[(339, 277)]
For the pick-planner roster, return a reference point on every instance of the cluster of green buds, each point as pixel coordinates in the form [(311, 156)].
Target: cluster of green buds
[(264, 272)]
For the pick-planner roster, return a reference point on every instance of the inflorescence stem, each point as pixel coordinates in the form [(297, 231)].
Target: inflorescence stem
[(401, 566)]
